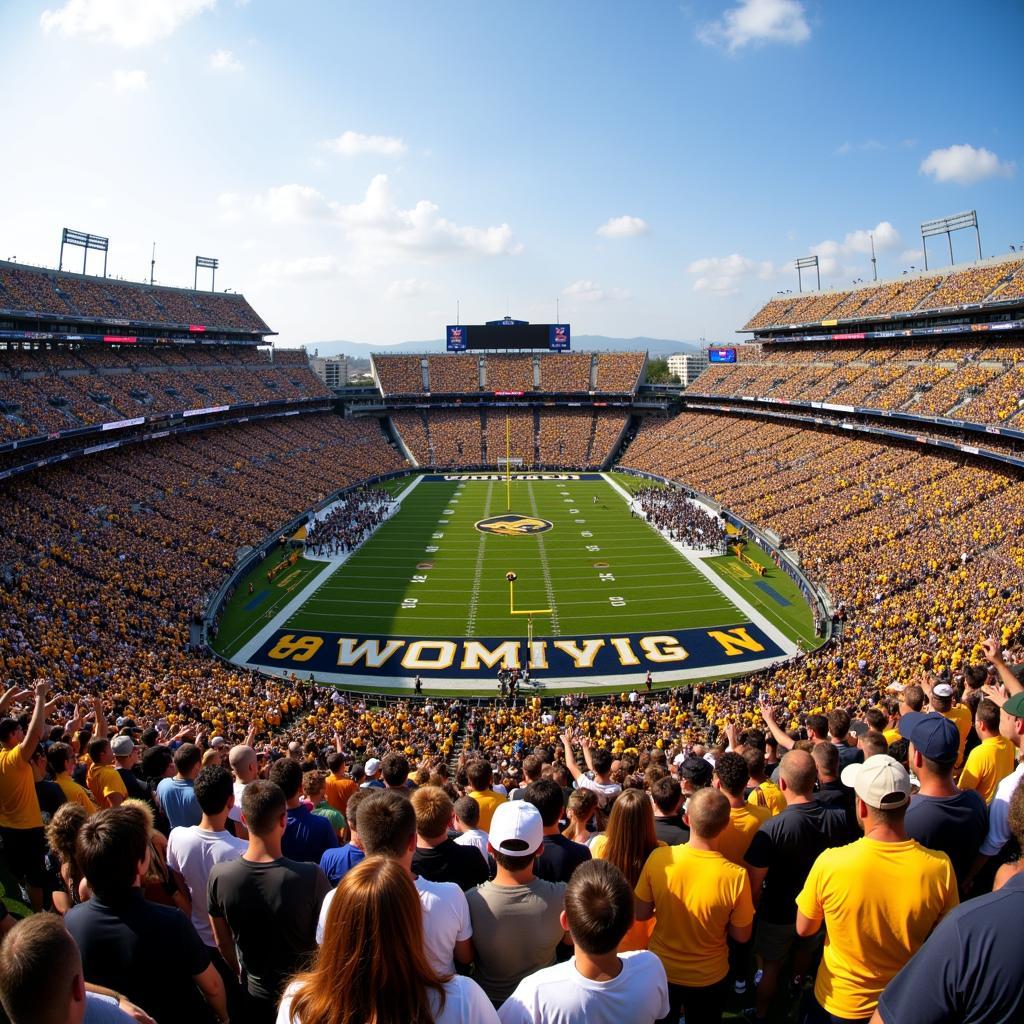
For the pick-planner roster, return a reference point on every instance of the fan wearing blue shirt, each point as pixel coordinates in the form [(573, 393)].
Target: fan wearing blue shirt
[(177, 795), (337, 862), (307, 835)]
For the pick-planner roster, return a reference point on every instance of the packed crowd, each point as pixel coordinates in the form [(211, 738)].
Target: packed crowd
[(53, 294), (546, 437), (559, 372), (991, 282), (351, 520), (47, 390), (855, 866), (977, 383), (681, 518)]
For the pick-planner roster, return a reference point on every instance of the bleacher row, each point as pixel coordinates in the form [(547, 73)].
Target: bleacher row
[(45, 391), (988, 282), (572, 372), (543, 437), (979, 383), (49, 293)]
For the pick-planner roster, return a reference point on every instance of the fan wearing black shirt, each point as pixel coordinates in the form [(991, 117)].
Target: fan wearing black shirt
[(559, 857), (669, 826), (265, 906), (438, 858), (779, 860)]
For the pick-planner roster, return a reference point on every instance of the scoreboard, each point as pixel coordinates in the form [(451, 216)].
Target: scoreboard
[(721, 355), (517, 335)]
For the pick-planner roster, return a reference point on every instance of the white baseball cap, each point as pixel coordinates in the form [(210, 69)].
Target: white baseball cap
[(372, 766), (942, 690), (880, 781), (517, 829)]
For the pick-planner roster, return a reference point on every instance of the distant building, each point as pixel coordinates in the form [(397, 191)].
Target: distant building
[(332, 370), (688, 366)]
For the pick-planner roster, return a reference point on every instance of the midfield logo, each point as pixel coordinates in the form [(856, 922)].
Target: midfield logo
[(513, 525)]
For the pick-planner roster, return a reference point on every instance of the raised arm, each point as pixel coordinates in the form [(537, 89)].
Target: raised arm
[(34, 732), (994, 656), (570, 758), (101, 719), (783, 740)]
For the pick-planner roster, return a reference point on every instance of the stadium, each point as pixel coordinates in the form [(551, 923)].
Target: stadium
[(548, 669)]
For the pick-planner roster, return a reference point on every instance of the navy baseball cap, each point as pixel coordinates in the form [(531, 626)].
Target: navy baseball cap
[(935, 736)]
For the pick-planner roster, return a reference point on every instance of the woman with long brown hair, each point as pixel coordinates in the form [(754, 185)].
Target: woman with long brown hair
[(371, 968), (580, 810), (627, 843)]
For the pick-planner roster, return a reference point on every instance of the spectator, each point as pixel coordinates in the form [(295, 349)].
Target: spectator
[(940, 697), (998, 840), (839, 731), (669, 827), (438, 858), (467, 818), (731, 775), (831, 791), (599, 762), (517, 916), (874, 920), (339, 785), (149, 952), (1015, 820), (126, 755), (387, 825), (628, 842), (394, 770), (600, 984), (41, 979), (372, 771), (992, 760), (533, 765), (559, 857), (177, 795), (779, 859), (21, 822), (480, 777), (193, 851), (61, 838), (105, 784), (580, 811), (699, 899), (337, 861), (264, 906), (314, 790), (372, 964), (940, 816), (308, 835), (764, 792), (59, 757)]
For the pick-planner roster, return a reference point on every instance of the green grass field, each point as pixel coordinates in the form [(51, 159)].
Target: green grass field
[(429, 572)]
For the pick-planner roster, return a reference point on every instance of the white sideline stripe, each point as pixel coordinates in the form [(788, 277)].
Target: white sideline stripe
[(243, 654), (720, 584)]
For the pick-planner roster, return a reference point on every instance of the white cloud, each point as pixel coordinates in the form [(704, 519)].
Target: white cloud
[(407, 288), (305, 268), (757, 22), (590, 291), (911, 256), (723, 275), (357, 144), (293, 204), (135, 80), (868, 146), (858, 242), (383, 230), (225, 60), (127, 23), (624, 227), (964, 165)]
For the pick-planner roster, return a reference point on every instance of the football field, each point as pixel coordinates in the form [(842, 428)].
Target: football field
[(428, 594)]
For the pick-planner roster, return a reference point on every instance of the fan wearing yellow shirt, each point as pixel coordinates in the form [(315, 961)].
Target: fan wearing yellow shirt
[(699, 901), (106, 786), (879, 897), (59, 757), (731, 775), (479, 774), (941, 700), (21, 821), (993, 759), (764, 793)]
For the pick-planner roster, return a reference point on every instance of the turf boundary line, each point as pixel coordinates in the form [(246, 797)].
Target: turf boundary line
[(478, 570), (545, 571), (738, 600), (244, 653)]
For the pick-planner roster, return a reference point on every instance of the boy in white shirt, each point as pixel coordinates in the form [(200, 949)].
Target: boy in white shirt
[(467, 817), (598, 985)]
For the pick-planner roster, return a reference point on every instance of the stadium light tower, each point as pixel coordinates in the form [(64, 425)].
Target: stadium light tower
[(947, 225), (87, 241), (207, 263), (805, 263)]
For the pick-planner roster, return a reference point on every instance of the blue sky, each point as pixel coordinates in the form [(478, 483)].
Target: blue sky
[(655, 167)]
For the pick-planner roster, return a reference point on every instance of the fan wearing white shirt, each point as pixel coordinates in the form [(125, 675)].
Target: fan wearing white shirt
[(387, 827), (599, 761), (467, 817), (598, 985)]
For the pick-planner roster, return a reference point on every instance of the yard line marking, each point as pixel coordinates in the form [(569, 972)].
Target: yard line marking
[(478, 571), (544, 568)]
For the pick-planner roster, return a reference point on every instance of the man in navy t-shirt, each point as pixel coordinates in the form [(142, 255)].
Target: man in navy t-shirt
[(307, 835), (559, 856)]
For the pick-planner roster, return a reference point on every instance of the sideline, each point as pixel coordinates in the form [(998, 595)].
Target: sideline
[(243, 654), (718, 583)]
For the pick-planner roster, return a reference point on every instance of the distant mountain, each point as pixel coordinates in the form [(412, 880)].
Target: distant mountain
[(580, 342)]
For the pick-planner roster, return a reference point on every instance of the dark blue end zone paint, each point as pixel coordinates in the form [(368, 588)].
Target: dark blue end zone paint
[(773, 593), (257, 600), (484, 475), (715, 649)]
